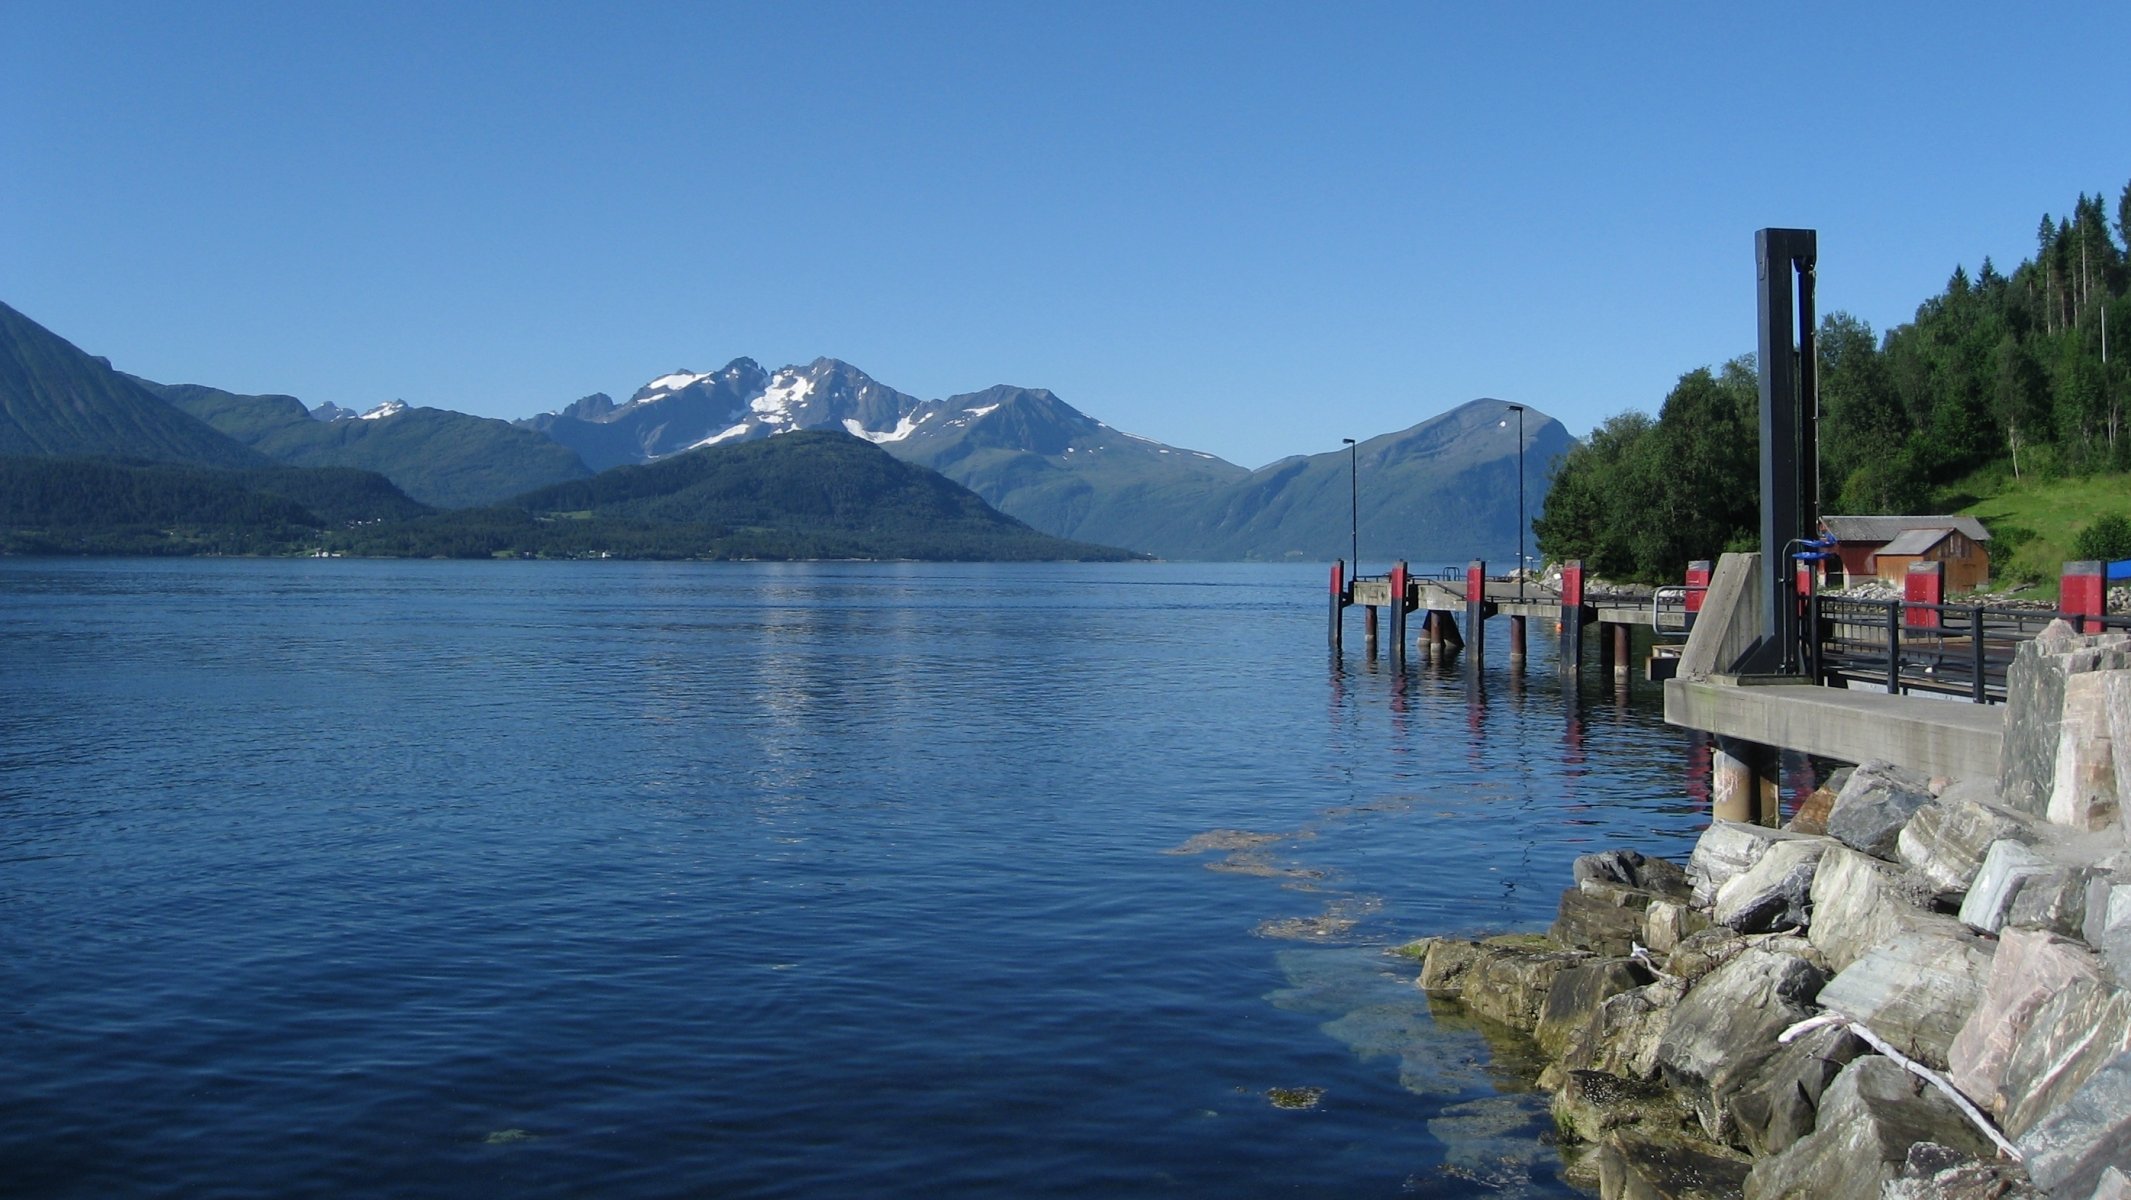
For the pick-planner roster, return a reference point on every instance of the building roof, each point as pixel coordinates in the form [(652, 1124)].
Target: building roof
[(1915, 541), (1887, 529)]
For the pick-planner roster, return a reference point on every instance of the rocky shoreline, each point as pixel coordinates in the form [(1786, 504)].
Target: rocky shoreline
[(1916, 988)]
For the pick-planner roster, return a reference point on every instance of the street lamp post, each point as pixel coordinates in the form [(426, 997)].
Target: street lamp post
[(1519, 410), (1354, 505)]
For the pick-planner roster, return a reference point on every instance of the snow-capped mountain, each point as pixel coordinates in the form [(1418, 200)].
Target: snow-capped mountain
[(1035, 457), (330, 411)]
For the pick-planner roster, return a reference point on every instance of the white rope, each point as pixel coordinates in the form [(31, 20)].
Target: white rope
[(1974, 1114)]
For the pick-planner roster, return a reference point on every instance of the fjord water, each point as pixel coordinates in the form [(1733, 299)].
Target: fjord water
[(623, 879)]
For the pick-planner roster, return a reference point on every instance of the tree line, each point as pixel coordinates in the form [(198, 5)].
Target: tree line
[(2018, 374)]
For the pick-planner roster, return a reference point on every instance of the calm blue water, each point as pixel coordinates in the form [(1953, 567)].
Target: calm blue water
[(440, 879)]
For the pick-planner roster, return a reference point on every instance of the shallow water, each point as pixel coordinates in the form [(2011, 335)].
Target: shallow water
[(435, 879)]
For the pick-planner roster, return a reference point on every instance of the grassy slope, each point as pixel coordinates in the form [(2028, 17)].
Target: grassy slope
[(2054, 511)]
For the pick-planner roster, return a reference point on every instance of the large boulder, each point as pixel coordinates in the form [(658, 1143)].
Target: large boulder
[(1591, 1104), (2108, 926), (1667, 923), (2083, 787), (2116, 705), (1600, 916), (1916, 991), (1576, 993), (1704, 951), (2054, 901), (2072, 1033), (2068, 1151), (1774, 893), (1944, 843), (1643, 1164), (1935, 1172), (1623, 1036), (1504, 980), (1874, 805), (1724, 1032), (2007, 866), (1869, 1118), (1782, 1106), (2034, 706), (2029, 968), (1634, 869), (1860, 902), (1726, 849)]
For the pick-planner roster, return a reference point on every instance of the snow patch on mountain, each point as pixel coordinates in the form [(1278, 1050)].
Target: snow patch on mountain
[(715, 438), (786, 390), (978, 412), (903, 429), (675, 382), (390, 408)]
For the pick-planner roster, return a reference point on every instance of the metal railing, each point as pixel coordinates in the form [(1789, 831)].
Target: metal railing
[(1668, 609), (1947, 649)]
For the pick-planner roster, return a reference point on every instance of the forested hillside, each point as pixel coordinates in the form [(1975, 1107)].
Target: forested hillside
[(2000, 374)]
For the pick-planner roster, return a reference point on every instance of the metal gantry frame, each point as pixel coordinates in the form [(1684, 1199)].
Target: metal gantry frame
[(1790, 450)]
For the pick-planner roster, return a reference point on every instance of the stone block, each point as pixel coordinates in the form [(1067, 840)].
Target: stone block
[(1723, 1033), (1575, 994), (2072, 1033), (2114, 1185), (1860, 902), (1632, 869), (2055, 901), (2028, 969), (1445, 962), (1870, 1116), (2116, 707), (1811, 815), (1874, 805), (1704, 951), (1774, 893), (2070, 1148), (1641, 1164), (1944, 843), (2034, 706), (1622, 1037), (1599, 916), (1935, 1172), (2083, 786), (1726, 849), (1511, 986), (1667, 923), (1916, 991), (1591, 1104), (1781, 1106), (2007, 865)]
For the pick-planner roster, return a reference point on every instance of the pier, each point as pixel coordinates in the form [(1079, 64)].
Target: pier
[(1432, 606)]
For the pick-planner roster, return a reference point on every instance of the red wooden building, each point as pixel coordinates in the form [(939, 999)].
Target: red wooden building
[(1883, 547)]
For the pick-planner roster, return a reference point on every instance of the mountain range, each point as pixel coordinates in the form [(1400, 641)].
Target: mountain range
[(1444, 489)]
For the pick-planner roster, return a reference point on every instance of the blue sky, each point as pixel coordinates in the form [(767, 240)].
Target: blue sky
[(1243, 228)]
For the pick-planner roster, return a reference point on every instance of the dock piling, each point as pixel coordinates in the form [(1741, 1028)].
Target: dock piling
[(1476, 608), (1572, 617), (1399, 609), (1335, 634)]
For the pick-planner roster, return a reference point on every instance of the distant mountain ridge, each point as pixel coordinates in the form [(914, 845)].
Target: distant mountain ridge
[(441, 458), (57, 401), (1444, 489)]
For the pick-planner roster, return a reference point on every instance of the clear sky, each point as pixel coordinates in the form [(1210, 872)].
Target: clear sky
[(1249, 229)]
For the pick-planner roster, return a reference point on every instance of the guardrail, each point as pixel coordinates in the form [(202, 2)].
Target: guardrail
[(1947, 649)]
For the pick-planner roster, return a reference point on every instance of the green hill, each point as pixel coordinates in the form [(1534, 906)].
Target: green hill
[(56, 401), (2034, 521), (91, 506), (445, 459), (811, 494)]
